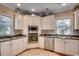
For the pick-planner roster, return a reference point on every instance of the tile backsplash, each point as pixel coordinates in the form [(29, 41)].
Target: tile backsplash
[(47, 32), (17, 32), (76, 32)]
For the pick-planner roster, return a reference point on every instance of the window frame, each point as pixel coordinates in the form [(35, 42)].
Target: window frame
[(68, 17)]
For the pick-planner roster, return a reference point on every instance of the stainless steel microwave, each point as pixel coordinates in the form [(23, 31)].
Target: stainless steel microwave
[(32, 28)]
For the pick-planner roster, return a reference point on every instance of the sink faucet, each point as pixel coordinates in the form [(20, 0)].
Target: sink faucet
[(62, 32)]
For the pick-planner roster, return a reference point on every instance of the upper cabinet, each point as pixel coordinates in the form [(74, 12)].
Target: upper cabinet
[(33, 20), (48, 23), (25, 21), (22, 21), (76, 19), (18, 22)]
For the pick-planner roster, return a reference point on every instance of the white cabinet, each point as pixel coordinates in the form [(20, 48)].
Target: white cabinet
[(5, 48), (59, 45), (18, 22), (76, 20), (25, 21), (15, 47), (48, 23), (33, 20), (41, 42), (46, 43), (24, 43), (71, 47), (18, 45), (67, 46), (49, 43)]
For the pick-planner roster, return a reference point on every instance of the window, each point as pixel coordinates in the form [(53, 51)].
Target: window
[(4, 25), (64, 26)]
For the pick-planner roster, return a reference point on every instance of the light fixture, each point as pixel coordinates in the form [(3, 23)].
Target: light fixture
[(18, 4), (63, 4), (33, 10), (32, 14)]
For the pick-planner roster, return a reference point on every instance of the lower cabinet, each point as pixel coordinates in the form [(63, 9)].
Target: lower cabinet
[(41, 42), (71, 47), (67, 46), (49, 43), (59, 45), (24, 43), (18, 45), (13, 47), (5, 48)]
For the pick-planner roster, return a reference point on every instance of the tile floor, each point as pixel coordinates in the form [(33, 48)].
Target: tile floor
[(38, 52)]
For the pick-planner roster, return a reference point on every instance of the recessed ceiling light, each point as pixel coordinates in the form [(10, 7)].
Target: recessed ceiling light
[(33, 9), (18, 4), (32, 14), (64, 4)]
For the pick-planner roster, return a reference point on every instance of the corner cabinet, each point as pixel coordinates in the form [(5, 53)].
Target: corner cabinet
[(18, 22), (13, 47), (48, 22), (76, 19)]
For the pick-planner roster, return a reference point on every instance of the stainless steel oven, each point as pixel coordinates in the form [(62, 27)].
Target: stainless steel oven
[(32, 37), (32, 34)]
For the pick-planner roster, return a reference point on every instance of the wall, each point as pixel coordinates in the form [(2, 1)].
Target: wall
[(64, 14), (6, 11), (67, 14)]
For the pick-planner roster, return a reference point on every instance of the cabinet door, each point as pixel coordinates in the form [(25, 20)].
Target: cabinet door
[(76, 21), (25, 21), (30, 20), (20, 45), (6, 48), (15, 47), (71, 47), (24, 43), (51, 44), (33, 20), (41, 42), (46, 43), (59, 45), (19, 22), (48, 22)]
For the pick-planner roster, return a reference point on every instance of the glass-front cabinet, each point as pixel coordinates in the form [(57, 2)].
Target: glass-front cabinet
[(5, 25), (64, 26)]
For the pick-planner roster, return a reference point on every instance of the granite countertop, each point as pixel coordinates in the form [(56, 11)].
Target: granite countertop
[(47, 35), (12, 37), (58, 35), (61, 36)]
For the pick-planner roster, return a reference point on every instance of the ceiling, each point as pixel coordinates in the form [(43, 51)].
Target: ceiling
[(40, 7)]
